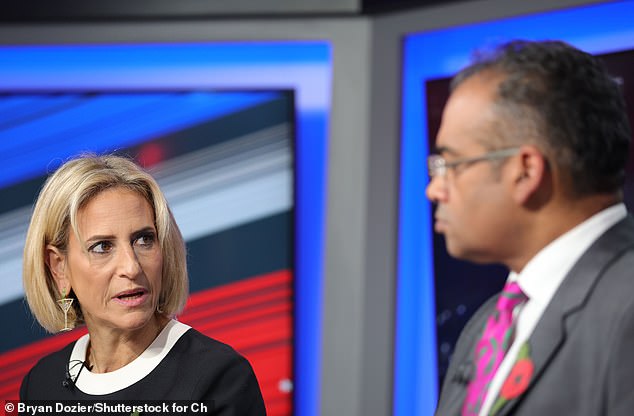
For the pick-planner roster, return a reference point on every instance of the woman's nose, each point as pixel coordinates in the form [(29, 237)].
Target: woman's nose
[(128, 263)]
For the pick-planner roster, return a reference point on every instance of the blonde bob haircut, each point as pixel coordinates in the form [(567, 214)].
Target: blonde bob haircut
[(55, 215)]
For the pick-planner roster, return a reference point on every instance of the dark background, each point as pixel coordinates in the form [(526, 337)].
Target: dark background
[(83, 10)]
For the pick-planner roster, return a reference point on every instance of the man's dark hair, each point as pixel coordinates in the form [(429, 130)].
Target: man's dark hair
[(569, 101)]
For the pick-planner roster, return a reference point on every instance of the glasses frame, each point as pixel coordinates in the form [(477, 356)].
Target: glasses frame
[(437, 165)]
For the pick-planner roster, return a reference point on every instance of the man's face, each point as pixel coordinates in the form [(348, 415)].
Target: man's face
[(474, 209)]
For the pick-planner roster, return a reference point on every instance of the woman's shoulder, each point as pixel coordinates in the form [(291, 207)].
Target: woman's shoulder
[(55, 360), (195, 351), (200, 345), (221, 374), (48, 373)]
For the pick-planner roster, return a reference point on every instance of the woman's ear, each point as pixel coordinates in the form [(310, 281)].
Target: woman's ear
[(56, 262), (529, 174)]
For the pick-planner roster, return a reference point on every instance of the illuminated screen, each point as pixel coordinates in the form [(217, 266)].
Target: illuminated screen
[(224, 162), (430, 56), (235, 134)]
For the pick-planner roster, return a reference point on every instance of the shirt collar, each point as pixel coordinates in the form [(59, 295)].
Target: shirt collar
[(543, 274)]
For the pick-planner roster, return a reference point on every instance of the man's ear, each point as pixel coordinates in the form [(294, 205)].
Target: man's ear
[(56, 262), (529, 173)]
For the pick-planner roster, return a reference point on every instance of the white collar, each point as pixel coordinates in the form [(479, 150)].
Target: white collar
[(543, 274), (106, 383)]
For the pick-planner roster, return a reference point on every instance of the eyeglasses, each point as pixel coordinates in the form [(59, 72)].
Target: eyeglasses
[(438, 165)]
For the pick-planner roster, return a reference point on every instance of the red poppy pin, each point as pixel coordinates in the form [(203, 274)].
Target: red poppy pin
[(517, 381)]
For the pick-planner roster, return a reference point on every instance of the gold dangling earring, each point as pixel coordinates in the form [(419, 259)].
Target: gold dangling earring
[(65, 304)]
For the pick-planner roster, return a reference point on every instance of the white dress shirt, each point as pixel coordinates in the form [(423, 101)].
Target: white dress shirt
[(540, 279)]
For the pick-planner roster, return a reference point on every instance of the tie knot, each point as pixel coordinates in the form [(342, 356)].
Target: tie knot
[(510, 297)]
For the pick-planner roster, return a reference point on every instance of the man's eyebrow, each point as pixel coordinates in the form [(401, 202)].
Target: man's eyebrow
[(441, 150)]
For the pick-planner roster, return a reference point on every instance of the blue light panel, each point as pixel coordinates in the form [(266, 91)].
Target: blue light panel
[(597, 29), (302, 66)]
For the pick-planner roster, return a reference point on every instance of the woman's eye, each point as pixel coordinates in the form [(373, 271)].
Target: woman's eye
[(101, 247), (146, 240)]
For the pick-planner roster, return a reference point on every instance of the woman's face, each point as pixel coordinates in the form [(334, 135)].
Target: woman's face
[(115, 271)]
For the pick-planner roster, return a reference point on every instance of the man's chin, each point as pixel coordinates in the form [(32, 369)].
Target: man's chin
[(458, 251), (454, 251)]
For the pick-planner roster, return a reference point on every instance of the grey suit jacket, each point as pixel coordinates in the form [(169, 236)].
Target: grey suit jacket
[(582, 348)]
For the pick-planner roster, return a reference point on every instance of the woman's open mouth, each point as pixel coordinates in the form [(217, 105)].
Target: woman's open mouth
[(134, 297)]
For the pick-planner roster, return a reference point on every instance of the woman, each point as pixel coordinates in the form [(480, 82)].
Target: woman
[(103, 250)]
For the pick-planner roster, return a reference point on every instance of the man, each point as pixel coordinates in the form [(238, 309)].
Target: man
[(528, 173)]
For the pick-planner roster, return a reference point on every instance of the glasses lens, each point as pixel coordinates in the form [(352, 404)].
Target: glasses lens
[(436, 165)]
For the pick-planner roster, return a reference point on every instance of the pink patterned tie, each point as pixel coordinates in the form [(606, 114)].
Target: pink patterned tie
[(490, 350)]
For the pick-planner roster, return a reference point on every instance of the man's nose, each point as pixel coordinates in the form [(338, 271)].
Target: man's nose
[(436, 190)]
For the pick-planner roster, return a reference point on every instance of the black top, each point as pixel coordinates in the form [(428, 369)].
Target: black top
[(195, 368)]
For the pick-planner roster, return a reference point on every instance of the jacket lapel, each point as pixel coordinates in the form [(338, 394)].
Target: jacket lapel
[(550, 331)]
